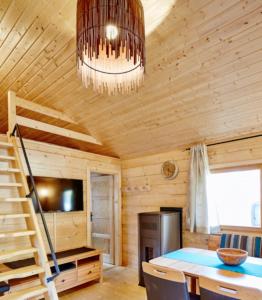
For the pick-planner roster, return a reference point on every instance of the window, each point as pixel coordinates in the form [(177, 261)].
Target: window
[(237, 196)]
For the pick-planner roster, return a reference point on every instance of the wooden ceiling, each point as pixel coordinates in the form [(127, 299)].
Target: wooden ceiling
[(203, 81)]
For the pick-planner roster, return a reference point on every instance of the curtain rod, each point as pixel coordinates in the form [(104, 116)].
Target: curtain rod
[(234, 140)]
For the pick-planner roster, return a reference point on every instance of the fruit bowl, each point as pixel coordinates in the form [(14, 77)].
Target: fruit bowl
[(231, 256)]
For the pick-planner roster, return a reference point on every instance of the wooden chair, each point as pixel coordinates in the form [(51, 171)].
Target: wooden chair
[(217, 290), (165, 284)]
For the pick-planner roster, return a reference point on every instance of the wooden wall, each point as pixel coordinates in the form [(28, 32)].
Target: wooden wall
[(71, 229), (144, 188)]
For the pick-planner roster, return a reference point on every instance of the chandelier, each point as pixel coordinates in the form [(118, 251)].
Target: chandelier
[(111, 45)]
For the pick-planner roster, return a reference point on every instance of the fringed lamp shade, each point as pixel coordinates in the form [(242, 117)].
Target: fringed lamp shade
[(111, 44)]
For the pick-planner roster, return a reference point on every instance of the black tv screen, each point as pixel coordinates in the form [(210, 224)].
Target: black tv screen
[(57, 194)]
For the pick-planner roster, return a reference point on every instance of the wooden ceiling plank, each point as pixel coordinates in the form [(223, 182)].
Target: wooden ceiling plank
[(15, 9), (53, 68), (58, 84), (52, 26), (135, 121), (231, 31), (150, 100), (61, 88), (238, 99), (228, 16), (203, 15), (84, 96), (203, 76), (240, 73), (27, 61), (227, 57), (197, 105), (237, 60), (46, 12), (208, 40), (56, 130), (73, 85), (21, 27), (13, 57), (59, 73), (235, 45), (28, 71), (4, 5)]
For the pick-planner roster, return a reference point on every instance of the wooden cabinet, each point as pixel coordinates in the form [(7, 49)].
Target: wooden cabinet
[(77, 266)]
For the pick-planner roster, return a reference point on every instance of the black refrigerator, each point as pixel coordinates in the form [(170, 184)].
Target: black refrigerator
[(159, 233)]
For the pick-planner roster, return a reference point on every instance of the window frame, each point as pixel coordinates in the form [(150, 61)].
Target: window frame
[(245, 229)]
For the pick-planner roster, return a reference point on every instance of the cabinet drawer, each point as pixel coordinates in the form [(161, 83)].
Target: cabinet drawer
[(65, 280), (88, 272)]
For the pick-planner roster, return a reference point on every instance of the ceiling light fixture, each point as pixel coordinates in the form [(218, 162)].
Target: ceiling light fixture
[(111, 32), (111, 44)]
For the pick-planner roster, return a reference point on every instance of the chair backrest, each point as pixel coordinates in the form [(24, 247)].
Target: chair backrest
[(163, 283), (252, 244), (217, 290)]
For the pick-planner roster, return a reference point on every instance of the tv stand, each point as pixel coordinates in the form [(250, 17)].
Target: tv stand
[(77, 266)]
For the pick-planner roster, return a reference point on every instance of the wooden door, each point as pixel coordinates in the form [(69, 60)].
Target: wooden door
[(102, 207)]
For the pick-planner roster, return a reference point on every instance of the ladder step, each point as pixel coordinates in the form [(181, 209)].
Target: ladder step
[(21, 272), (4, 255), (10, 184), (13, 199), (17, 233), (10, 170), (26, 293), (13, 216), (7, 158), (6, 145)]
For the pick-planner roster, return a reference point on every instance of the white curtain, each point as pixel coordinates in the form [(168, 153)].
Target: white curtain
[(202, 216)]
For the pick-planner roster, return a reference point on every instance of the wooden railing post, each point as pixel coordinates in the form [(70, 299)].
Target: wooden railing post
[(11, 111)]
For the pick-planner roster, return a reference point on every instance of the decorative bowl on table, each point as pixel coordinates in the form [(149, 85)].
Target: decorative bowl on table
[(231, 256)]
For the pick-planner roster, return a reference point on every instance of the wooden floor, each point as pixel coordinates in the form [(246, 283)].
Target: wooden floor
[(119, 283)]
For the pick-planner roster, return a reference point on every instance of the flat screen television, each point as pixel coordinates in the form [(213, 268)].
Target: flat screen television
[(57, 194)]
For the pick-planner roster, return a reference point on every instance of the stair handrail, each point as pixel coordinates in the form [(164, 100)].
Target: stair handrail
[(34, 190)]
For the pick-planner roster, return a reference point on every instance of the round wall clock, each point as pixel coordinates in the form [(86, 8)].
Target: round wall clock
[(170, 169)]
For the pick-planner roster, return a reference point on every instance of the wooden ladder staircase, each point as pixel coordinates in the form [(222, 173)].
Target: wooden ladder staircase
[(17, 209)]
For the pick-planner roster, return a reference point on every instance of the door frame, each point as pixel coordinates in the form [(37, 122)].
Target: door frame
[(117, 210), (100, 178)]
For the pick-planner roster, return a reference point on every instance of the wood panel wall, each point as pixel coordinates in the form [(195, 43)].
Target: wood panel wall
[(68, 230), (144, 188)]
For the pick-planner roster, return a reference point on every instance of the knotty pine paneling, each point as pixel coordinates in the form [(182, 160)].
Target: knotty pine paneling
[(67, 230), (147, 170)]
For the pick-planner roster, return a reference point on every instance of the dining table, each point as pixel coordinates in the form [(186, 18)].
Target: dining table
[(195, 263)]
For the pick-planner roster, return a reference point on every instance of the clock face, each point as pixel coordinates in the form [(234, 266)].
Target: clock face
[(169, 170)]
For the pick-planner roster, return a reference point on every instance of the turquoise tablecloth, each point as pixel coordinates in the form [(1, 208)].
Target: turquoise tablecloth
[(214, 262)]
